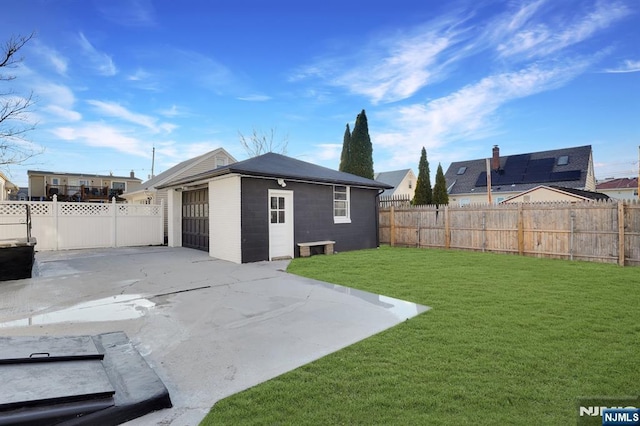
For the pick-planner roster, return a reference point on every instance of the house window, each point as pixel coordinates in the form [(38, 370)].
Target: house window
[(563, 160), (410, 184), (461, 170), (83, 182), (277, 210), (221, 162), (119, 185), (55, 181), (464, 202), (341, 208)]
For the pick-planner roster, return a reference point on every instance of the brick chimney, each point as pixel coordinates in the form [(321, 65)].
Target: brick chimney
[(132, 174), (495, 159)]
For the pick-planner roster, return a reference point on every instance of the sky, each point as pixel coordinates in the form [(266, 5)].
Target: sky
[(115, 79)]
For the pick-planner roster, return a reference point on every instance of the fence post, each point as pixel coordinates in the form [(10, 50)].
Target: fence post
[(392, 232), (114, 223), (520, 230), (620, 233), (56, 231), (484, 230), (447, 231), (162, 221)]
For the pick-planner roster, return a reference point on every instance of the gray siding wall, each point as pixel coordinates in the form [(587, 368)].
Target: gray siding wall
[(313, 217)]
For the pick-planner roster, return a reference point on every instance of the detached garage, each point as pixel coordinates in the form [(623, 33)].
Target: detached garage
[(262, 208)]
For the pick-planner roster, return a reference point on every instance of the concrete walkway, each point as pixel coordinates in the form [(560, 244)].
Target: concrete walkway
[(209, 328)]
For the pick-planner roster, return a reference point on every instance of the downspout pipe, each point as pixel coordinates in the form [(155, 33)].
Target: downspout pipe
[(378, 217)]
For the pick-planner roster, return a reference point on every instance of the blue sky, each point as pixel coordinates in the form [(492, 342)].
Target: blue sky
[(115, 78)]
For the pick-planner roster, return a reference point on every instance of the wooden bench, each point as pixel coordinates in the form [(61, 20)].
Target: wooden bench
[(305, 248)]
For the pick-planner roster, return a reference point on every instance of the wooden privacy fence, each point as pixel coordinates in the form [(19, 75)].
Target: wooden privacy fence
[(593, 231), (69, 225)]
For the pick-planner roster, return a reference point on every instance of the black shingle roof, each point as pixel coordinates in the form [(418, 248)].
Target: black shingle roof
[(522, 172), (280, 166), (586, 194)]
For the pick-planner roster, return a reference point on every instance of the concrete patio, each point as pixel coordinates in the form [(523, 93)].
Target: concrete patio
[(209, 328)]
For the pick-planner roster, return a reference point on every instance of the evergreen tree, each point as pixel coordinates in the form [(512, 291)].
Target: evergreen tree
[(423, 195), (440, 196), (345, 157), (361, 150)]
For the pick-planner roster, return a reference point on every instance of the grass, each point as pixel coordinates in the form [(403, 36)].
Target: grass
[(509, 340)]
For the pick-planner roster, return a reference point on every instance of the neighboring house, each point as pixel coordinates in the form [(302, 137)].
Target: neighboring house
[(261, 208), (514, 174), (6, 188), (22, 194), (403, 182), (79, 186), (552, 193), (620, 188), (148, 193)]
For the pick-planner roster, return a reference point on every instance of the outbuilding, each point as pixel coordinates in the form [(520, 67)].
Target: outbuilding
[(265, 207)]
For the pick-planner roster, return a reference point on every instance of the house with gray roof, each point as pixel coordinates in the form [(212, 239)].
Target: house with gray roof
[(403, 183), (265, 207), (148, 193), (510, 175)]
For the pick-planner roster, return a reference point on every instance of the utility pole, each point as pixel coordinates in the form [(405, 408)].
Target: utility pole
[(489, 181), (153, 160)]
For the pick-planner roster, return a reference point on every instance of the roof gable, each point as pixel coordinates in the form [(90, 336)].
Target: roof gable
[(182, 167), (393, 178), (279, 166), (566, 167), (577, 194)]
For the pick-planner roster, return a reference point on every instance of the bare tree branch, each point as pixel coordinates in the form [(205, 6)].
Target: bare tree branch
[(259, 143), (14, 110)]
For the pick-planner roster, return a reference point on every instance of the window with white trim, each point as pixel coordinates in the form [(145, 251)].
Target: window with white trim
[(341, 204)]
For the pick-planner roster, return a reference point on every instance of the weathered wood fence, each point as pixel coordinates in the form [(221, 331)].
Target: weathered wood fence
[(593, 231)]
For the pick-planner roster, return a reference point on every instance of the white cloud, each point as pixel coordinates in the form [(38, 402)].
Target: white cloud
[(63, 113), (102, 62), (60, 101), (171, 112), (393, 67), (104, 136), (531, 38), (53, 58), (139, 75), (626, 67), (118, 111), (254, 98), (131, 13), (328, 151), (468, 114)]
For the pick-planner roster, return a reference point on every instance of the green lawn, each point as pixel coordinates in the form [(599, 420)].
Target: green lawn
[(509, 340)]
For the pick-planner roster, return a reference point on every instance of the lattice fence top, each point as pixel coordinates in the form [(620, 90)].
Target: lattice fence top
[(78, 209), (83, 209), (18, 209), (138, 210)]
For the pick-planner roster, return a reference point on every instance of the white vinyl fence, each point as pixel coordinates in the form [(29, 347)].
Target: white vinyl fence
[(67, 225)]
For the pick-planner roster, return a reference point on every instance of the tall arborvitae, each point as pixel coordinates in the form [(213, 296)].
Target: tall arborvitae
[(440, 196), (423, 195), (361, 150), (345, 157)]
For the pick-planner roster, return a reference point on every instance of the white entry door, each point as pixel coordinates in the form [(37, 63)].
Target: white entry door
[(280, 224)]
